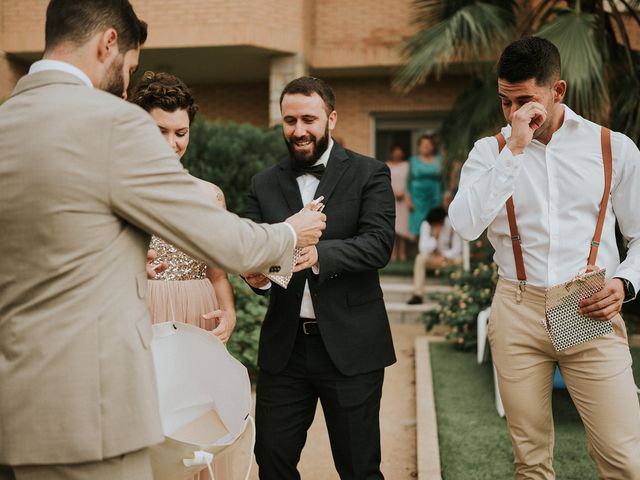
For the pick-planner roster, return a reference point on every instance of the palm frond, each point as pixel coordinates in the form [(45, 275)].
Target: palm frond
[(535, 16), (476, 113), (582, 62), (626, 105), (632, 7), (622, 30), (474, 32)]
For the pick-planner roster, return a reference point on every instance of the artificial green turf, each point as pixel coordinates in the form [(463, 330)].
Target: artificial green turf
[(474, 442)]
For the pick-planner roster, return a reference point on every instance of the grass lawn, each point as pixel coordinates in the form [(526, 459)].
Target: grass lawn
[(474, 442)]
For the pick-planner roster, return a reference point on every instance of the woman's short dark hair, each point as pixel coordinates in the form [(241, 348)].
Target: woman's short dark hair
[(431, 138), (530, 57), (77, 21), (308, 86), (164, 91)]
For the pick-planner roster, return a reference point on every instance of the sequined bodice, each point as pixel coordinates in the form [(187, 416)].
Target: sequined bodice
[(181, 265)]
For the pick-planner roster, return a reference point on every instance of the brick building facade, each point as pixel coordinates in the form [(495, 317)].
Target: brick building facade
[(238, 54)]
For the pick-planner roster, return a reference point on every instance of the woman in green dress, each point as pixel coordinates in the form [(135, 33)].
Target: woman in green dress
[(424, 182)]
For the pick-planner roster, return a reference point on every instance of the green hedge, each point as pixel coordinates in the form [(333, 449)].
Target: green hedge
[(230, 154)]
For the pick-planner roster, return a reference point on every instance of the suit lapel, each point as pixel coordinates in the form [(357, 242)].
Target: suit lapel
[(336, 166), (289, 187)]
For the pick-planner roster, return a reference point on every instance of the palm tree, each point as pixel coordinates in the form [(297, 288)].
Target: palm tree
[(601, 68)]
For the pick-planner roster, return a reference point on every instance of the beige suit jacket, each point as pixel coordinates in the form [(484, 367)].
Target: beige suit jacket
[(85, 178)]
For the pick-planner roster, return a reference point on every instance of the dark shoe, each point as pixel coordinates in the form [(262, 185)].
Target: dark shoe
[(415, 300)]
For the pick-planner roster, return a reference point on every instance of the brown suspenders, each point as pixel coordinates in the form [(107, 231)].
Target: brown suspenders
[(595, 243), (605, 138)]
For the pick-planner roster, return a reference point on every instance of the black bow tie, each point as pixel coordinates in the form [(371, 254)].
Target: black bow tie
[(315, 170)]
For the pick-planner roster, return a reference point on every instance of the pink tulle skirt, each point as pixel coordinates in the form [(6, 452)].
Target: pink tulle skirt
[(191, 299)]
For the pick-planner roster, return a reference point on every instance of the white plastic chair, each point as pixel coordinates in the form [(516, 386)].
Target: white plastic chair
[(205, 401)]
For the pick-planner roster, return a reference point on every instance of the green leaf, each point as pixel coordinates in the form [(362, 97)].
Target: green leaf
[(456, 31), (476, 113), (582, 62)]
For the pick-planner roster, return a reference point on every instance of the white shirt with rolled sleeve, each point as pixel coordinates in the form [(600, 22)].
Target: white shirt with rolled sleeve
[(556, 190)]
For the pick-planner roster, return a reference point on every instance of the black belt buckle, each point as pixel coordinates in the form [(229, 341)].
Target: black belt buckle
[(310, 327)]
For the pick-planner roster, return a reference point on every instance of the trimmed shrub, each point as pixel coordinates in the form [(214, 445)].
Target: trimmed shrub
[(250, 311), (230, 154)]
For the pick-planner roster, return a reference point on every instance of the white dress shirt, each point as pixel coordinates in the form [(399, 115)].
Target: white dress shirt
[(47, 64), (556, 190), (308, 184), (448, 243)]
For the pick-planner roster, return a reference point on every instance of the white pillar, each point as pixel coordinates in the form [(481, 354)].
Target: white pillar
[(283, 69)]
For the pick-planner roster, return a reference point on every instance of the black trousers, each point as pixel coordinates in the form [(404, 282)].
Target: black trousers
[(286, 404)]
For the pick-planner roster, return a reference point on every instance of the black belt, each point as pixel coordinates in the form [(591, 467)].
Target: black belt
[(309, 326)]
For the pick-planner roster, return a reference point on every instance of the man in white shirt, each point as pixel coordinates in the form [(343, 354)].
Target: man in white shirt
[(439, 245), (552, 165)]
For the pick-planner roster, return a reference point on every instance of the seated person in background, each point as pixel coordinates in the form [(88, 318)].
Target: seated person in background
[(439, 246)]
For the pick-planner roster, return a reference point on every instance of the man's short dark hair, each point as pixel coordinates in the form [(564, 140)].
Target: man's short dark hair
[(77, 21), (530, 57), (308, 86), (436, 216)]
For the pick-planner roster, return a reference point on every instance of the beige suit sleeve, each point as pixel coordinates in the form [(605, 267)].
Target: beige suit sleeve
[(150, 189)]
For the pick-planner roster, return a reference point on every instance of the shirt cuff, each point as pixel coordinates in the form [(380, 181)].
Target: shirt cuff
[(265, 287), (316, 269), (293, 232), (509, 164)]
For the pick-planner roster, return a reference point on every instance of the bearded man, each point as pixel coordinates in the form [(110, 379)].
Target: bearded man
[(85, 178), (326, 336)]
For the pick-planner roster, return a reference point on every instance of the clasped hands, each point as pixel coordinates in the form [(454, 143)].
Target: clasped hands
[(308, 224)]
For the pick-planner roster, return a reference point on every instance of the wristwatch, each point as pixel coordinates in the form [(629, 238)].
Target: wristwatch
[(629, 291)]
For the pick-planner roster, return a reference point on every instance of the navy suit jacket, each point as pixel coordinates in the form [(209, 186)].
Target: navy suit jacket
[(346, 295)]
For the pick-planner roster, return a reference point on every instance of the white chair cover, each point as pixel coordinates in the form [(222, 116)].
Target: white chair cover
[(205, 400)]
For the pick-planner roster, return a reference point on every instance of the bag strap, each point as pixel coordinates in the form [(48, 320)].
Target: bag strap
[(516, 242), (605, 139)]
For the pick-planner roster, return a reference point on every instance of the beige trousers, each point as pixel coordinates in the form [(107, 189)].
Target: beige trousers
[(130, 466), (598, 376)]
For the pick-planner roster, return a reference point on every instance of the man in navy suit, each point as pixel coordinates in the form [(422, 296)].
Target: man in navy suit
[(326, 336)]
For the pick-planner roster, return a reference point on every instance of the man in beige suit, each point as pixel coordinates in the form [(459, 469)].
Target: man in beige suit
[(85, 177)]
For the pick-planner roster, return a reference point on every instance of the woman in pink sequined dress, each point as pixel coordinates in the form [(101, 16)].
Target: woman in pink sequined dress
[(197, 294)]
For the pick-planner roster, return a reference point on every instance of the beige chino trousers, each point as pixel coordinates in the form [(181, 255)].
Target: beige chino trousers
[(130, 466), (598, 376)]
